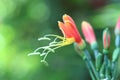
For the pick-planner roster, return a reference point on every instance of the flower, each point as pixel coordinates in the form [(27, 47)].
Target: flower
[(88, 32), (69, 29), (70, 33), (106, 38), (117, 28)]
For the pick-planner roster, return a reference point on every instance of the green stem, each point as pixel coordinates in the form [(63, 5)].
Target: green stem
[(98, 59), (114, 72), (89, 69), (85, 58), (102, 71), (91, 64), (106, 66)]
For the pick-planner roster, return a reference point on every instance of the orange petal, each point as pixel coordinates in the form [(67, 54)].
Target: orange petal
[(73, 31), (64, 29)]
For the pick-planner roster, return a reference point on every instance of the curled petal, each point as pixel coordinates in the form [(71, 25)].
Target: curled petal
[(64, 29)]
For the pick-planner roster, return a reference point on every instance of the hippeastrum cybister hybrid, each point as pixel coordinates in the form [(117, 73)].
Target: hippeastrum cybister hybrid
[(71, 35)]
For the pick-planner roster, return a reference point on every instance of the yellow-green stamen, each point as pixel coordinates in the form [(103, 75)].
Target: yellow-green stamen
[(55, 44)]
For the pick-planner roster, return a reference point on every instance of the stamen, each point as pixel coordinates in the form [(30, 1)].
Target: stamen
[(42, 54), (55, 44), (37, 53), (52, 35), (44, 38), (38, 49), (43, 61)]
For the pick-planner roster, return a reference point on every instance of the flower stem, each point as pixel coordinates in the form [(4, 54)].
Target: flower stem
[(91, 64), (114, 71), (107, 74), (98, 59), (106, 63), (102, 71), (115, 56), (89, 69)]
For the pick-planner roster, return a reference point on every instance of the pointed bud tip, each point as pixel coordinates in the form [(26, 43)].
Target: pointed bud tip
[(84, 23), (106, 30)]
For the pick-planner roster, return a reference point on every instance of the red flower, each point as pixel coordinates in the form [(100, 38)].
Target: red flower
[(69, 29)]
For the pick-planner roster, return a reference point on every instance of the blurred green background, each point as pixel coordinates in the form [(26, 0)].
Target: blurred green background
[(22, 22)]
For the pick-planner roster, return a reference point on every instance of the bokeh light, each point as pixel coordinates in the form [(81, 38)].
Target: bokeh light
[(38, 11)]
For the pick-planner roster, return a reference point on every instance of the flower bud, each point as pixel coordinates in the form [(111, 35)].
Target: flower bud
[(89, 35), (106, 38), (117, 28)]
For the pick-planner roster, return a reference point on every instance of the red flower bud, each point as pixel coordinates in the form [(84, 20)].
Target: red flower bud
[(117, 28), (88, 32), (106, 38)]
